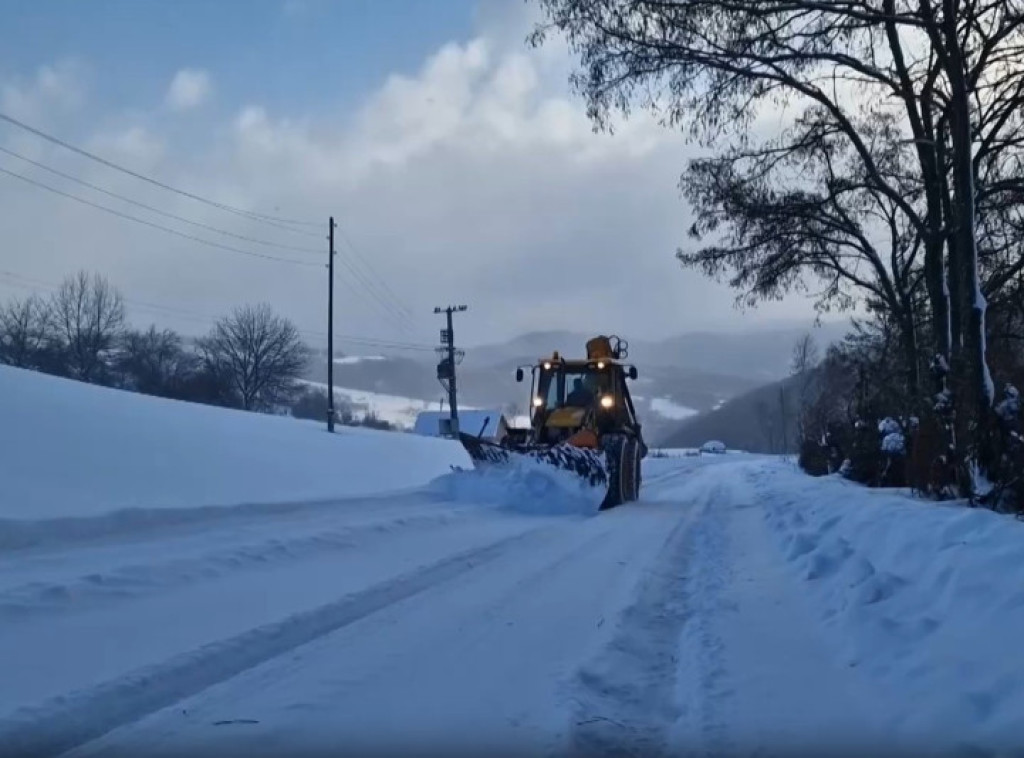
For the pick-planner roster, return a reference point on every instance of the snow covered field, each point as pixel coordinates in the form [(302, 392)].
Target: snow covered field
[(738, 607), (400, 412), (669, 409), (73, 449)]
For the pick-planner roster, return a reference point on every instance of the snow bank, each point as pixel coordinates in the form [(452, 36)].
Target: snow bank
[(527, 487), (69, 449), (925, 598)]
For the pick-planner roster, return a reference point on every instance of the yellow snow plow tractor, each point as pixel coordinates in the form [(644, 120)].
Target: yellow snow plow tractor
[(582, 421)]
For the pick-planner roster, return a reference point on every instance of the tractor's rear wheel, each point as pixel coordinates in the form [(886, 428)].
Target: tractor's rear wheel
[(613, 445), (623, 456), (630, 470)]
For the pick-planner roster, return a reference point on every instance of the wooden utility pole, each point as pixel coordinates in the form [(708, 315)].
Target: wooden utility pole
[(330, 326), (446, 368)]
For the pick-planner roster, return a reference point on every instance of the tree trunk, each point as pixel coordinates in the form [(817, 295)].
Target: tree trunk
[(908, 338), (972, 301)]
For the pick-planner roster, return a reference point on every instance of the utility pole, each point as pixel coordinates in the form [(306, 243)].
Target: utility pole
[(330, 326), (446, 368)]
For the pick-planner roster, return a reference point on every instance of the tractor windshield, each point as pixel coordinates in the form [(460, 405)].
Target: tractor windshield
[(571, 386)]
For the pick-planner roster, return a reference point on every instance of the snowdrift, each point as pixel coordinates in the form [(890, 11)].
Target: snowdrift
[(925, 599), (528, 486), (69, 449)]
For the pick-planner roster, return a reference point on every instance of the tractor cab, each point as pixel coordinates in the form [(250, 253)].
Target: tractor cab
[(578, 400)]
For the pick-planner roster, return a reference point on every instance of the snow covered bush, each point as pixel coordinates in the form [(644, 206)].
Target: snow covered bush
[(859, 412), (1008, 409), (813, 457), (1005, 485), (894, 448)]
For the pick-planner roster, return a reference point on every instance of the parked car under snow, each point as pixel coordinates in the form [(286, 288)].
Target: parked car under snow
[(713, 446)]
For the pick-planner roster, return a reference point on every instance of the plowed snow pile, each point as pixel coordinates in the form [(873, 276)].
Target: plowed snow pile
[(527, 486), (924, 601)]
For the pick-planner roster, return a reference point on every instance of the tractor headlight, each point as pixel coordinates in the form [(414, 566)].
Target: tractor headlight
[(600, 364), (607, 401), (538, 402), (547, 365)]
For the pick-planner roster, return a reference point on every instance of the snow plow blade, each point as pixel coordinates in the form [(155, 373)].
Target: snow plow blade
[(587, 467)]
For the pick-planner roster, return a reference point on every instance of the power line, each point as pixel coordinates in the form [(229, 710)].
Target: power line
[(369, 295), (166, 214), (373, 274), (392, 309), (153, 225), (375, 285), (251, 215)]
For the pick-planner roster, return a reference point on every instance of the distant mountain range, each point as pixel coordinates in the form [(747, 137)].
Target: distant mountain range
[(682, 379)]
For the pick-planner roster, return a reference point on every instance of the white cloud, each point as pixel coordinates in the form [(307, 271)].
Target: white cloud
[(189, 89), (475, 179), (53, 90), (134, 146)]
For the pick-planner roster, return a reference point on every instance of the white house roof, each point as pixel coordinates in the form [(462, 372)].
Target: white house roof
[(428, 423)]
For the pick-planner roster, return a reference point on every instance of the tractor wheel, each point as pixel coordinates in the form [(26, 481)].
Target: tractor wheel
[(630, 470), (614, 447)]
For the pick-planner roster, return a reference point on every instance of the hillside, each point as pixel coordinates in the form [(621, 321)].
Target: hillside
[(752, 421)]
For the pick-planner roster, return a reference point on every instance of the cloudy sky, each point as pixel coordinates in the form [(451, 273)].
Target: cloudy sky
[(458, 165)]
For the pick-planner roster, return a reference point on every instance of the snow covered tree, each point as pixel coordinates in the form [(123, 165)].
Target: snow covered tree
[(260, 353)]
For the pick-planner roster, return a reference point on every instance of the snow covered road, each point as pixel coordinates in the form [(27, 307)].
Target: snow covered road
[(734, 609)]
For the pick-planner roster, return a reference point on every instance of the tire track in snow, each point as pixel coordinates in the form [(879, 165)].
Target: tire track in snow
[(475, 665), (625, 695), (753, 666), (658, 481), (143, 523), (129, 581), (68, 721), (703, 684)]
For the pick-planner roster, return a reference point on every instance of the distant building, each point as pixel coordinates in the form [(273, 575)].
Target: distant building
[(429, 423)]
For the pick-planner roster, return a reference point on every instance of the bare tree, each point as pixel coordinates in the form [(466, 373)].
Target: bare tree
[(259, 352), (805, 360), (24, 332), (87, 317), (765, 421), (155, 362), (805, 355), (799, 211)]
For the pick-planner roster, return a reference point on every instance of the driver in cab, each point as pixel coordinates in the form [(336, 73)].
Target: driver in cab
[(581, 396)]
